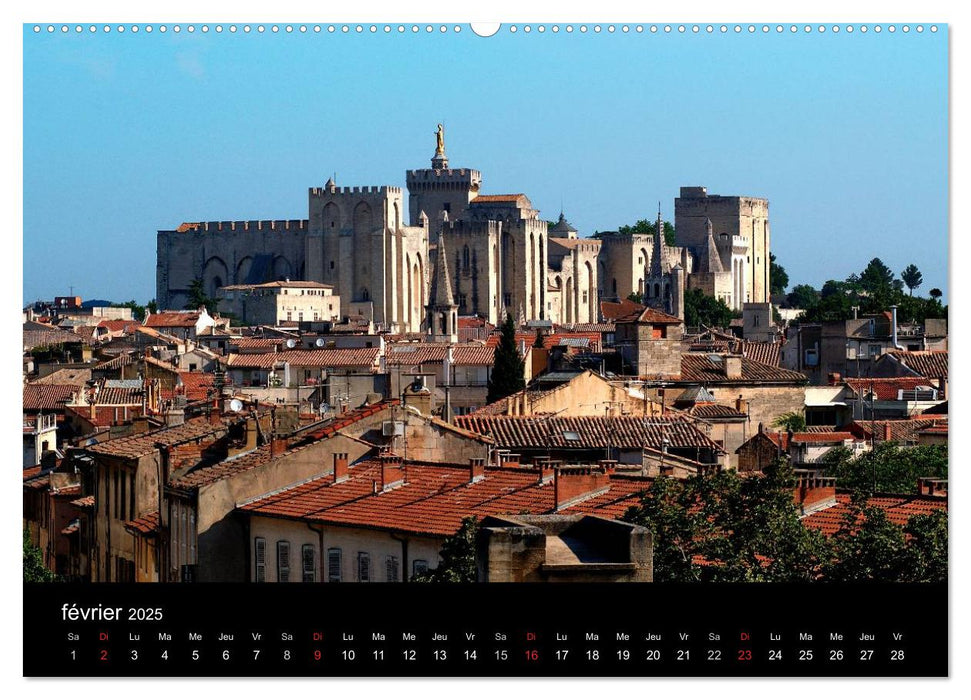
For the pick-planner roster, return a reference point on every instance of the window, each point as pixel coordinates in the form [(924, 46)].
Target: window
[(123, 501), (192, 367), (331, 262), (507, 299), (875, 350), (334, 565), (114, 475), (392, 568), (363, 567), (283, 561), (260, 547), (309, 565), (289, 316), (131, 495), (419, 566)]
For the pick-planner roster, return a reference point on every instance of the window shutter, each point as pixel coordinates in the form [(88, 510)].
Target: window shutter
[(283, 561), (363, 567), (260, 560), (309, 566), (392, 568), (334, 565)]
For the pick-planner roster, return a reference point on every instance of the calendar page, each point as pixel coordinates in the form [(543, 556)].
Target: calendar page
[(436, 349)]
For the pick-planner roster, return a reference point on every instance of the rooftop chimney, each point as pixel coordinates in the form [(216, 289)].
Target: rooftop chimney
[(931, 486), (509, 460), (476, 469), (733, 366), (340, 467), (392, 472), (887, 432), (278, 446), (578, 483), (813, 492), (547, 469)]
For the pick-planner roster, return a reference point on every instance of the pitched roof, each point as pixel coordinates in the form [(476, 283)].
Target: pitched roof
[(440, 293), (433, 500), (122, 360), (904, 431), (764, 352), (592, 432), (47, 397), (715, 411), (480, 355), (279, 284), (562, 226), (141, 444), (76, 376), (701, 368), (501, 199), (144, 525), (649, 315), (612, 310), (899, 509), (926, 363), (173, 319), (228, 467), (886, 389), (197, 385), (326, 357), (43, 337), (119, 325)]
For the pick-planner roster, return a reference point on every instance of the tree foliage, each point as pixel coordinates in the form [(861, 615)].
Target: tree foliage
[(701, 309), (34, 569), (887, 468), (792, 420), (778, 277), (456, 558), (508, 371), (137, 310), (198, 297), (912, 278), (649, 227)]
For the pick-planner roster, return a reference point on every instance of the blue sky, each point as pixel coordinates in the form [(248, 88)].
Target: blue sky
[(845, 134)]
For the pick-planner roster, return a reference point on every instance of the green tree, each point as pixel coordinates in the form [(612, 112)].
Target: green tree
[(867, 547), (198, 297), (34, 569), (926, 560), (151, 307), (508, 374), (649, 227), (912, 278), (887, 468), (701, 309), (779, 278), (876, 277), (793, 420), (456, 558), (635, 297), (803, 296), (936, 293)]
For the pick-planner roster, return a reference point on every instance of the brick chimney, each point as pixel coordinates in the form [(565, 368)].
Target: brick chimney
[(509, 460), (931, 486), (547, 469), (577, 483), (887, 432), (340, 467), (392, 472), (733, 366), (278, 446), (813, 492), (476, 469), (608, 465)]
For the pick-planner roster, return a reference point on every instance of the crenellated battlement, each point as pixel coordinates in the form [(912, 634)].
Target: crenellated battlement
[(365, 189), (426, 175), (252, 226), (464, 227)]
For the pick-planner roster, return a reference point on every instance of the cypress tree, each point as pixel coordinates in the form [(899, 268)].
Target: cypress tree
[(507, 371)]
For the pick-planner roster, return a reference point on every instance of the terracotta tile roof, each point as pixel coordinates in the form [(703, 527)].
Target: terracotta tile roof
[(73, 376), (119, 326), (330, 357), (349, 418), (32, 472), (649, 315), (247, 343), (135, 446), (105, 416), (571, 243), (401, 354), (226, 468), (498, 199), (120, 395), (766, 353), (818, 437), (197, 385), (173, 319), (594, 432), (699, 367), (551, 340), (938, 429), (34, 338), (886, 389), (899, 510), (122, 360), (72, 527), (903, 431), (586, 327), (47, 397), (433, 500), (144, 525), (612, 310), (714, 411), (158, 335), (84, 502), (279, 284), (926, 363), (474, 355)]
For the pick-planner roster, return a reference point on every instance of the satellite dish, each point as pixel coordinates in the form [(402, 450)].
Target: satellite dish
[(235, 405), (324, 408), (320, 342), (291, 343)]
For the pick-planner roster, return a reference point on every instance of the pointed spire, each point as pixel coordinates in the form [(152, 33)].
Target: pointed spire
[(331, 182), (659, 259), (713, 260), (441, 295)]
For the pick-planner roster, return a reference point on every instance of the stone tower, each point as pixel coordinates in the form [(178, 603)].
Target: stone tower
[(440, 188), (442, 311)]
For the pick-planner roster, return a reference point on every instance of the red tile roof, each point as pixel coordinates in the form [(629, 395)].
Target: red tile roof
[(47, 397), (141, 444), (84, 502), (45, 337), (119, 326), (173, 319), (926, 363), (120, 396), (594, 432), (197, 385), (649, 315), (75, 376), (766, 353), (144, 525), (903, 431), (612, 310), (899, 510), (122, 360), (699, 367), (714, 411), (474, 355), (433, 500), (330, 357), (226, 468), (886, 389), (350, 418)]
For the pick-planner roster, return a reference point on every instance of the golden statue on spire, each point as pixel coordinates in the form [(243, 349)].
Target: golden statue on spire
[(440, 141)]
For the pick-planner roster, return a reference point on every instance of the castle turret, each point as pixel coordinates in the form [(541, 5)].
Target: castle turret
[(562, 229), (442, 311), (713, 260), (659, 260)]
